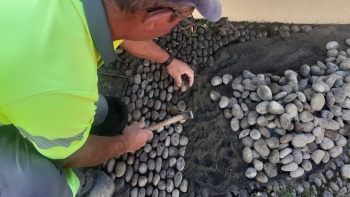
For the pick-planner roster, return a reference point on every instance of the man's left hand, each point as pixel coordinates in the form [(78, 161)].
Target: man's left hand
[(178, 68)]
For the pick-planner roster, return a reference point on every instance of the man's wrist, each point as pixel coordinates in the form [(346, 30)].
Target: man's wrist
[(169, 60)]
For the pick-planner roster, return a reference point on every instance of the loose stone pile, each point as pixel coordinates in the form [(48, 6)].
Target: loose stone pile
[(156, 169), (287, 122)]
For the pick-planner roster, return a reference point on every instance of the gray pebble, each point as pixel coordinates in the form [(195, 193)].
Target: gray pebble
[(169, 185), (286, 138), (226, 78), (134, 180), (175, 139), (299, 141), (252, 117), (264, 92), (160, 148), (264, 132), (270, 170), (261, 147), (177, 179), (215, 96), (173, 152), (250, 172), (298, 156), (304, 70), (180, 165), (165, 153), (178, 128), (184, 186), (317, 156), (151, 164), (234, 124), (261, 177), (247, 74), (329, 174), (332, 45), (159, 163), (317, 102), (297, 173), (131, 159), (237, 112), (289, 167), (215, 81), (275, 108), (142, 181), (285, 121), (272, 142), (247, 155), (285, 152), (287, 159), (326, 144), (335, 151), (181, 105), (224, 101), (156, 179), (258, 165), (262, 107), (345, 171), (120, 169), (255, 134), (274, 157), (161, 185), (134, 192), (247, 141), (110, 165), (183, 140), (175, 193), (306, 116)]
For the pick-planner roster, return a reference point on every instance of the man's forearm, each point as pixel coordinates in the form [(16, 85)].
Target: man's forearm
[(145, 49), (96, 150)]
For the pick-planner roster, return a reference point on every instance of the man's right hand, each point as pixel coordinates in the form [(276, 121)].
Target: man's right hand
[(134, 136)]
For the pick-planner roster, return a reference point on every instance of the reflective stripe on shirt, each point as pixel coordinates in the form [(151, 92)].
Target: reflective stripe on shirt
[(44, 143)]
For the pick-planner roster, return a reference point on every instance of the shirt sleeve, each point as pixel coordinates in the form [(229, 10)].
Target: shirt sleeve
[(58, 124)]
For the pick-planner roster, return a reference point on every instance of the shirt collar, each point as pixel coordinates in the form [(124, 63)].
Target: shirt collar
[(98, 24)]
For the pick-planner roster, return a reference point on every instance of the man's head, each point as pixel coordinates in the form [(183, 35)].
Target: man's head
[(148, 19)]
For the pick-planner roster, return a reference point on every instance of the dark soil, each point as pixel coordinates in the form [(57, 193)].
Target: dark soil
[(213, 156)]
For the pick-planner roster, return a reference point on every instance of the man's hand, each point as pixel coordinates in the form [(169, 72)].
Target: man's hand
[(135, 137), (150, 50), (98, 149), (178, 68)]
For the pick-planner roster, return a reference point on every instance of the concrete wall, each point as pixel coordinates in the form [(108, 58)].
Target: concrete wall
[(287, 11)]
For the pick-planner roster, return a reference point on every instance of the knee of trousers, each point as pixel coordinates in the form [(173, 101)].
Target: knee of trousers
[(37, 182), (25, 172)]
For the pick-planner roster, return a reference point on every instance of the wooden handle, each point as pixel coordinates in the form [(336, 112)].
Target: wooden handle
[(165, 122)]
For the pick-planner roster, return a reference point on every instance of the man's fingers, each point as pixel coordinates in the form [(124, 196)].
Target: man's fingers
[(190, 79), (149, 134), (178, 81), (141, 125)]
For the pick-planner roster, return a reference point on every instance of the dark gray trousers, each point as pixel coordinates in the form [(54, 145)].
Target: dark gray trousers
[(24, 172)]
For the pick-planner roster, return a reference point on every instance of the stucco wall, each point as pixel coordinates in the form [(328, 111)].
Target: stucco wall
[(287, 11)]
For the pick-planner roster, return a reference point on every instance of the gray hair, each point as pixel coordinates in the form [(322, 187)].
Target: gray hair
[(137, 5)]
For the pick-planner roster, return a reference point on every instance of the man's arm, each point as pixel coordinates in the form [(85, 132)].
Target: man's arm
[(150, 50), (98, 149)]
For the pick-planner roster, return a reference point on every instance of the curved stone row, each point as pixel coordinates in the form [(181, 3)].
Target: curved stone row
[(156, 169), (289, 122)]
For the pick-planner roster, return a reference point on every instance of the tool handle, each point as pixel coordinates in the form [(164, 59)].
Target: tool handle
[(165, 122)]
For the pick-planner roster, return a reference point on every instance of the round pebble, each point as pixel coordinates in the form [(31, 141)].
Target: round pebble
[(120, 169)]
